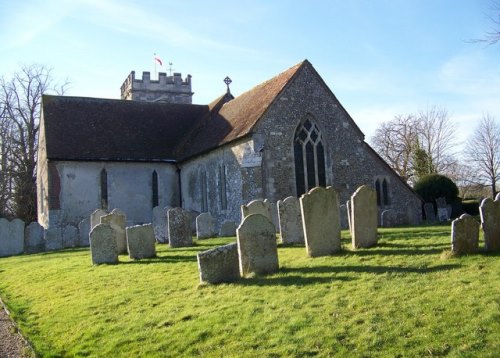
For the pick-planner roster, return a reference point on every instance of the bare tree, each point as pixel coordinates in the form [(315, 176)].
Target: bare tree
[(5, 155), (483, 152), (492, 36), (20, 98)]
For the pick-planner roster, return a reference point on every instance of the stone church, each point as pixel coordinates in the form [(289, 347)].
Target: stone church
[(155, 148)]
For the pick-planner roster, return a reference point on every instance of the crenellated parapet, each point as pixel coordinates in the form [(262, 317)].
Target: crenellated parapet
[(170, 89)]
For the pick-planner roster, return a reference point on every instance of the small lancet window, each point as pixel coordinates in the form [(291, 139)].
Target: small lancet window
[(154, 187), (222, 187), (104, 189), (382, 189)]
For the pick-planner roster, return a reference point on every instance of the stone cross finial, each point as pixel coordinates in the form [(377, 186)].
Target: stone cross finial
[(227, 81)]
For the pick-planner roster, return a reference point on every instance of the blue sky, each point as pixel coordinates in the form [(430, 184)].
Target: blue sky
[(380, 58)]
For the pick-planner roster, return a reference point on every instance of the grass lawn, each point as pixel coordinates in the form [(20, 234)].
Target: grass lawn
[(402, 298)]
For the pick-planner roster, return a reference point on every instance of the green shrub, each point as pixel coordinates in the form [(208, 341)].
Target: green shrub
[(433, 186), (471, 207)]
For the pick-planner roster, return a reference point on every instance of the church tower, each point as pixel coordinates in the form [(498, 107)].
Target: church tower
[(168, 89)]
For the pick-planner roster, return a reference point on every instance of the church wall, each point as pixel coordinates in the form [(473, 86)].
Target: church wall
[(129, 189), (349, 163)]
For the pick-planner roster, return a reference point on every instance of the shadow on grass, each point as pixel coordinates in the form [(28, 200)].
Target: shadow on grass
[(392, 252), (165, 259), (290, 280), (368, 269)]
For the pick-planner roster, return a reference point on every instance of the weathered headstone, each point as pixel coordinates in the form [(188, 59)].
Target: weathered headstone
[(290, 220), (442, 209), (103, 245), (11, 237), (33, 238), (464, 235), (141, 241), (160, 224), (84, 231), (321, 221), (53, 238), (95, 217), (430, 215), (117, 220), (179, 228), (205, 226), (257, 249), (273, 208), (387, 218), (261, 207), (70, 236), (228, 228), (349, 219), (364, 217), (490, 221), (219, 264)]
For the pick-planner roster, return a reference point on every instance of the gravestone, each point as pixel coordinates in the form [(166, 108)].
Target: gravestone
[(430, 215), (219, 264), (257, 249), (205, 226), (349, 219), (84, 231), (33, 238), (179, 228), (103, 245), (117, 220), (321, 221), (387, 218), (344, 218), (11, 237), (141, 241), (290, 221), (193, 214), (442, 209), (261, 207), (95, 217), (464, 235), (160, 224), (53, 238), (228, 228), (273, 207), (490, 221), (70, 236), (364, 217)]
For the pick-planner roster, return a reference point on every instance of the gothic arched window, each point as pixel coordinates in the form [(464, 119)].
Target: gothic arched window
[(104, 189), (309, 154), (154, 186), (382, 189)]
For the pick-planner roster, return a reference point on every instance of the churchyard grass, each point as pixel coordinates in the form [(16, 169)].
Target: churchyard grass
[(402, 298)]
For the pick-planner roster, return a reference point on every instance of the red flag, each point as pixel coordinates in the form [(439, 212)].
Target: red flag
[(158, 59)]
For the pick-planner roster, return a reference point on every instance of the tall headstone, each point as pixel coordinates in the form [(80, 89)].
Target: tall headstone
[(70, 236), (321, 221), (261, 207), (219, 264), (11, 237), (205, 226), (364, 217), (430, 215), (33, 238), (160, 223), (228, 228), (117, 220), (95, 217), (464, 235), (290, 221), (490, 221), (442, 209), (179, 228), (141, 241), (84, 231), (257, 249), (103, 245)]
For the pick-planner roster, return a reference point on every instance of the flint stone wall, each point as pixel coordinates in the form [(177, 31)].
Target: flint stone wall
[(11, 237), (141, 241), (219, 265), (490, 221), (364, 217), (179, 228), (290, 221), (464, 235), (321, 221), (103, 245), (257, 249)]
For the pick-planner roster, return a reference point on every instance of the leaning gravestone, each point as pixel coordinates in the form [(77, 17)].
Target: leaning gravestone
[(490, 221), (261, 207), (33, 238), (95, 217), (103, 245), (179, 228), (141, 241), (290, 220), (160, 224), (321, 221), (11, 237), (205, 226), (70, 236), (53, 238), (219, 264), (84, 231), (430, 216), (364, 217), (117, 220), (464, 235), (257, 249), (228, 228)]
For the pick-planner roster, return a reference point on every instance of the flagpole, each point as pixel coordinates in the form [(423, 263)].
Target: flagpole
[(154, 60)]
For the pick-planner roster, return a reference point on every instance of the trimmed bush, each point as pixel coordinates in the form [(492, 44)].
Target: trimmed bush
[(431, 187)]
